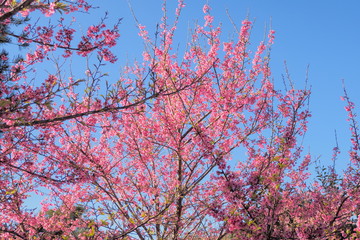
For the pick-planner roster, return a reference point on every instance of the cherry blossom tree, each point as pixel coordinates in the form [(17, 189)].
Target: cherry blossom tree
[(155, 154)]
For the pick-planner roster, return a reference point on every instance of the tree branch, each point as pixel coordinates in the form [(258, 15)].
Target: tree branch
[(17, 9)]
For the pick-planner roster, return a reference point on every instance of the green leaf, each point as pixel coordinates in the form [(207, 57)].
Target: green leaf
[(48, 105), (4, 102), (92, 231), (11, 191)]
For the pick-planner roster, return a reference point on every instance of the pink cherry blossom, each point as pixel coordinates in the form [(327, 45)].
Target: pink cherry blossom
[(199, 144)]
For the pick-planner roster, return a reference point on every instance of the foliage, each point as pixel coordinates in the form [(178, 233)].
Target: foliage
[(151, 156)]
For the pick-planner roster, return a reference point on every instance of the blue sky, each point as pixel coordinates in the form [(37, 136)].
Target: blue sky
[(323, 35)]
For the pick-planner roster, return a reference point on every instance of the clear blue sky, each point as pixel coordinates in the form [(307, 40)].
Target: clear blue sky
[(322, 34)]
